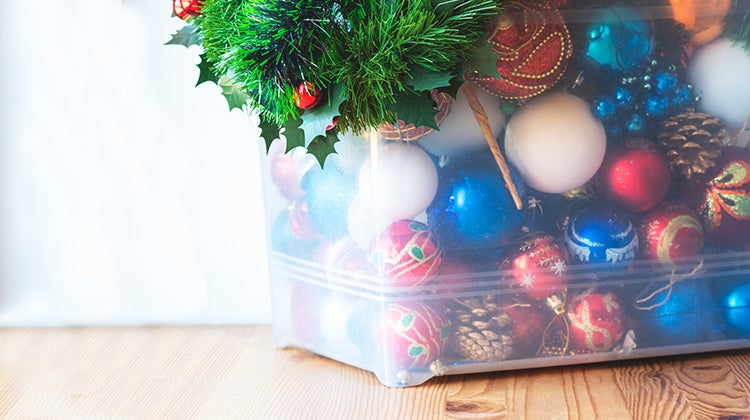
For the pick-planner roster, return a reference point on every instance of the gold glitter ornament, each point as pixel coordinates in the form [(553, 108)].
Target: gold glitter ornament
[(692, 142), (480, 329)]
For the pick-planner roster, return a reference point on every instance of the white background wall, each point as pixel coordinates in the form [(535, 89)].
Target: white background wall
[(127, 196)]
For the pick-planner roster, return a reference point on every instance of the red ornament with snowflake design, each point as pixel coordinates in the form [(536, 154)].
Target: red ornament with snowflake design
[(537, 265), (184, 9), (595, 321)]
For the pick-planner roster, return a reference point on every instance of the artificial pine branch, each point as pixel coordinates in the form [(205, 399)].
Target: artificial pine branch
[(737, 24)]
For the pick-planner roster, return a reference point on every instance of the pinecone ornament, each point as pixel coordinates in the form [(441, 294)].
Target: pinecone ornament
[(480, 329), (692, 141)]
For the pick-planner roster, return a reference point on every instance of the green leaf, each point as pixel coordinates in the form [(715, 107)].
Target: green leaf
[(415, 108), (236, 97), (269, 130), (316, 120), (322, 146), (483, 60), (423, 79), (295, 137), (206, 73), (186, 36)]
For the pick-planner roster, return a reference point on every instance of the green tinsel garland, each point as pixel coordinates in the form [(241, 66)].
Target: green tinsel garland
[(373, 48), (737, 23)]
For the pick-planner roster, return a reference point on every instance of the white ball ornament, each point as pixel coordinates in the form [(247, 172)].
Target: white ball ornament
[(400, 179), (335, 312), (459, 134), (363, 223), (555, 142), (719, 74)]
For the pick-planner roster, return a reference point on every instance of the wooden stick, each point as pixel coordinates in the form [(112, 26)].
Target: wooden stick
[(484, 124)]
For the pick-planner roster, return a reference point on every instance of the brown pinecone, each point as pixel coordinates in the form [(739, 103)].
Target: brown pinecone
[(692, 141), (480, 329)]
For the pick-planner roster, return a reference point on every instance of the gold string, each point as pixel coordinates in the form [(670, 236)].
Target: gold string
[(674, 278)]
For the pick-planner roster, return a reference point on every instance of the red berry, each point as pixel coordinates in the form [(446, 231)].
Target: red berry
[(333, 123), (307, 96), (183, 9)]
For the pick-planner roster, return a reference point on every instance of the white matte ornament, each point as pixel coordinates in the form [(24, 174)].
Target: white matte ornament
[(335, 312), (363, 224), (459, 134), (400, 180), (555, 142), (719, 74)]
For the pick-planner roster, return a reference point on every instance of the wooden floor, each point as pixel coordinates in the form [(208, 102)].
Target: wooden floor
[(235, 372)]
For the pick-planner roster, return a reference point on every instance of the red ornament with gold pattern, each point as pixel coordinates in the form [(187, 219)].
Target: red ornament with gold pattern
[(407, 252), (532, 45), (595, 321), (670, 232), (537, 265)]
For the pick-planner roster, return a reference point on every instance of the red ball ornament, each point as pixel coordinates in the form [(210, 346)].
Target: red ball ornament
[(532, 45), (537, 265), (307, 96), (300, 222), (670, 232), (412, 333), (722, 199), (529, 323), (407, 252), (184, 9), (595, 322), (304, 309), (341, 257), (635, 176)]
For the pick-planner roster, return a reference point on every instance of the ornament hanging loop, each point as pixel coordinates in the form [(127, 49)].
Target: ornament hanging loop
[(481, 116), (674, 278)]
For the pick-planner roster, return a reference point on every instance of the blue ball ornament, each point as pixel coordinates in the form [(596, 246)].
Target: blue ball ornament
[(681, 96), (284, 241), (473, 208), (635, 125), (678, 313), (604, 107), (735, 305), (619, 38), (624, 96), (599, 234), (656, 104), (328, 193), (665, 81)]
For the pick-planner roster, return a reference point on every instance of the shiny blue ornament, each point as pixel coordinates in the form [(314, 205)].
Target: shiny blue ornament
[(328, 193), (635, 125), (604, 107), (680, 313), (735, 304), (600, 234), (664, 81), (472, 207), (619, 38), (624, 96), (656, 104), (681, 96)]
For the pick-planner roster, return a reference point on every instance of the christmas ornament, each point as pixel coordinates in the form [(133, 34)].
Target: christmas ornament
[(735, 306), (287, 170), (304, 307), (669, 233), (723, 199), (307, 96), (328, 193), (555, 143), (692, 141), (635, 175), (284, 240), (412, 333), (595, 321), (537, 265), (301, 223), (335, 311), (531, 45), (408, 132), (675, 312), (472, 207), (481, 331), (401, 178), (600, 234), (407, 253), (341, 258), (619, 38), (719, 73), (455, 275), (703, 27), (528, 326), (363, 224), (185, 9), (459, 134)]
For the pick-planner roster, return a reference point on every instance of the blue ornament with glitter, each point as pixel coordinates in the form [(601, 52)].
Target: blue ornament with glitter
[(599, 234), (328, 193), (681, 96), (635, 125), (656, 104), (604, 107), (664, 81), (735, 305), (472, 208), (619, 38), (676, 311), (624, 96)]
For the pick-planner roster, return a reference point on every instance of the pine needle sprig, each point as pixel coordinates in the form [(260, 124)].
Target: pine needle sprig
[(737, 24)]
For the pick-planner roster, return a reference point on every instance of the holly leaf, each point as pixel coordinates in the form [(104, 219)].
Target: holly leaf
[(483, 60), (295, 137), (206, 73), (269, 131), (235, 96), (322, 146), (423, 79), (415, 108), (316, 120), (186, 36)]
